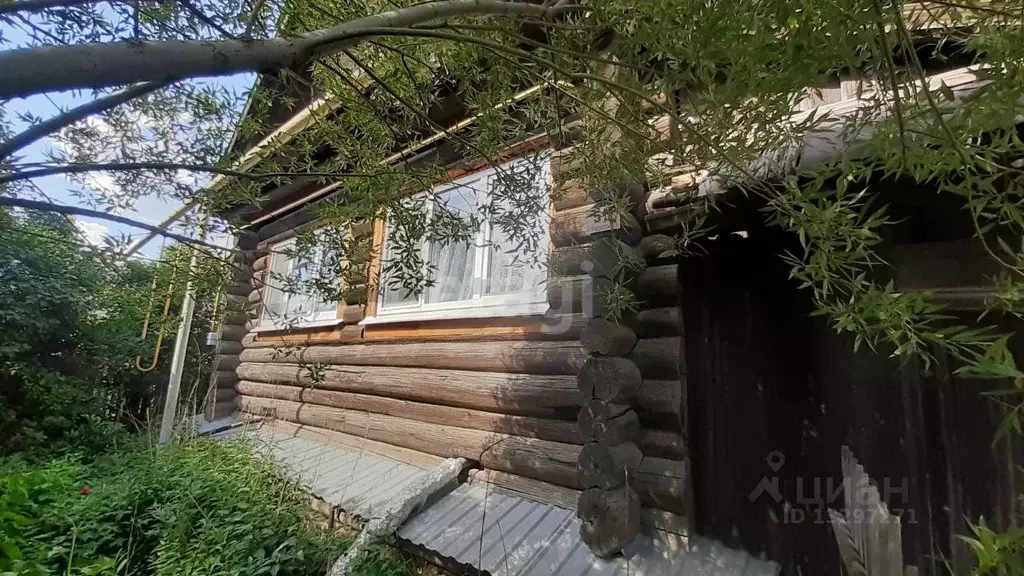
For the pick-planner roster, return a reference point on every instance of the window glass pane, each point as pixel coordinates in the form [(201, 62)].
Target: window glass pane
[(506, 273), (394, 293), (514, 199), (290, 298), (275, 297), (395, 280), (518, 238), (306, 305), (398, 296), (452, 262)]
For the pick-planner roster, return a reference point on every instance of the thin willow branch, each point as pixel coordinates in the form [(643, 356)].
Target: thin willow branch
[(39, 5), (132, 166), (611, 84), (536, 44), (419, 113), (964, 153), (202, 17), (38, 30), (68, 118), (404, 56), (426, 183), (38, 206), (985, 9), (890, 68)]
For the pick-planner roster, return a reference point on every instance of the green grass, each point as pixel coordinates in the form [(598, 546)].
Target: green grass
[(195, 508)]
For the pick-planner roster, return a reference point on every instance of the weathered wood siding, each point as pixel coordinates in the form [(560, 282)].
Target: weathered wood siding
[(774, 394)]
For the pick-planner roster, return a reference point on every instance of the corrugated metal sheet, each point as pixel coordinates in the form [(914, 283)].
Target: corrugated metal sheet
[(359, 483), (202, 427), (492, 531), (510, 536)]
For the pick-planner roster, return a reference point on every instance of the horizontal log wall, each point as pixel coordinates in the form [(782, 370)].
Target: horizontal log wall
[(505, 398), (540, 423), (220, 400), (661, 483), (435, 397)]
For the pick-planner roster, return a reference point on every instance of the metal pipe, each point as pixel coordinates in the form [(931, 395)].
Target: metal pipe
[(163, 322), (181, 341)]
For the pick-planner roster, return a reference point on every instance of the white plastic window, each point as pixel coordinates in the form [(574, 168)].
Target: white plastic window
[(288, 301), (491, 275)]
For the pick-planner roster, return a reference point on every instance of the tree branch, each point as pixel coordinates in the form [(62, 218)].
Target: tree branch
[(202, 17), (39, 5), (131, 166), (28, 71), (969, 8), (54, 124), (609, 84), (36, 205)]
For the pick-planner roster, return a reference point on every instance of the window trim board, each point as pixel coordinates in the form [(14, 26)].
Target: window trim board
[(462, 313)]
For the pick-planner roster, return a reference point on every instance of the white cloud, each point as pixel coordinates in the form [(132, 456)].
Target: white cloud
[(94, 232)]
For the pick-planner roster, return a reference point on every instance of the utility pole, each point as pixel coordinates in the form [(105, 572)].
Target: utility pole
[(188, 306)]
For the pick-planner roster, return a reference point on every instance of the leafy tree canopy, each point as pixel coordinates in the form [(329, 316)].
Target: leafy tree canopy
[(69, 336), (711, 88)]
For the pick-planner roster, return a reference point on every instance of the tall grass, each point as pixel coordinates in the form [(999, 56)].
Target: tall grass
[(198, 507)]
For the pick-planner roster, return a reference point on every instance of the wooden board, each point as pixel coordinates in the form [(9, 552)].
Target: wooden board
[(555, 327), (373, 270), (305, 337), (540, 327)]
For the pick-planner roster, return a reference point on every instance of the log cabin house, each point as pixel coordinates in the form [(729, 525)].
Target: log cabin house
[(484, 364), (513, 369)]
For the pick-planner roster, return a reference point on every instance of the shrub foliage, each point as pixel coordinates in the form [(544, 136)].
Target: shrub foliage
[(199, 507)]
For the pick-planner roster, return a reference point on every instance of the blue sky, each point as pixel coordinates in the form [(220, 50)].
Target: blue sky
[(59, 189)]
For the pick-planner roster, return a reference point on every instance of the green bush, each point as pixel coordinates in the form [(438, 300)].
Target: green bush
[(195, 508), (996, 553), (70, 319)]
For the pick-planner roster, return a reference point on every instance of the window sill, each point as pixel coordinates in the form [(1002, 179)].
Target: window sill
[(299, 326), (532, 309)]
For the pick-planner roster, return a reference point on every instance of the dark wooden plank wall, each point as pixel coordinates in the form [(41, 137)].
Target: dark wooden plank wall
[(765, 379)]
